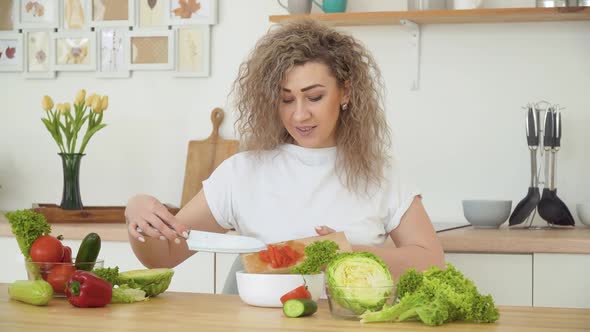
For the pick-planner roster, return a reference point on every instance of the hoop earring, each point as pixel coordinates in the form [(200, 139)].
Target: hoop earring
[(344, 107)]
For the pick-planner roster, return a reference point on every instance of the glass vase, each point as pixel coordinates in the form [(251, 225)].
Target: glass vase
[(70, 199)]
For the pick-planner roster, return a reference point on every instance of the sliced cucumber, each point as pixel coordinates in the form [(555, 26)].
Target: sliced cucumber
[(299, 308)]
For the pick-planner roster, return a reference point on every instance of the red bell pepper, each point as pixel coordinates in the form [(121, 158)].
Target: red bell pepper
[(86, 290)]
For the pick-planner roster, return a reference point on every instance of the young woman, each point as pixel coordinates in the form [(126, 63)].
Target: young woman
[(315, 160)]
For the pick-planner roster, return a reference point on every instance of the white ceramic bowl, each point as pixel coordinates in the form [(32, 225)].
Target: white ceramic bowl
[(265, 290), (583, 210), (486, 213)]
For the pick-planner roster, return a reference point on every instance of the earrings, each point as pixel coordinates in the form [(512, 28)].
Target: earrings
[(344, 107)]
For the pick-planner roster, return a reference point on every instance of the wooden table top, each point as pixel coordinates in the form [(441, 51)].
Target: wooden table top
[(207, 312)]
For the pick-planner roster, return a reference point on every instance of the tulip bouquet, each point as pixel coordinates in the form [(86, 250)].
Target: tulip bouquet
[(64, 124)]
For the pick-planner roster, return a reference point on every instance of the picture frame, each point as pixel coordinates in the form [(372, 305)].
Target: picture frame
[(193, 50), (111, 13), (151, 49), (75, 15), (11, 52), (9, 15), (74, 51), (35, 14), (192, 12), (151, 13), (113, 51), (38, 52)]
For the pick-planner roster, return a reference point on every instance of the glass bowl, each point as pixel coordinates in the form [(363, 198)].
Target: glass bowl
[(351, 302), (57, 274)]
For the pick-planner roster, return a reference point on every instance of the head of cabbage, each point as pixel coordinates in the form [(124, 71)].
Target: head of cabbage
[(359, 281)]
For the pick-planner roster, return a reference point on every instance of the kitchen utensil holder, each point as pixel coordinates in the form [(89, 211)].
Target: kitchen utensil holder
[(541, 106)]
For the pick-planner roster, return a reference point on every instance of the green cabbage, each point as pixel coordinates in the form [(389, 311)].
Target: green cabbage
[(359, 281), (152, 281)]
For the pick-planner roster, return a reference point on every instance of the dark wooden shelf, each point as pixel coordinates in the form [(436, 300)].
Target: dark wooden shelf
[(496, 15)]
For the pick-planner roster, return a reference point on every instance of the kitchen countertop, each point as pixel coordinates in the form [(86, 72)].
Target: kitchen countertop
[(207, 312), (465, 239)]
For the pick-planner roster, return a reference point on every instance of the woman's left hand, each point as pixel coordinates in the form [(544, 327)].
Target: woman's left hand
[(324, 230)]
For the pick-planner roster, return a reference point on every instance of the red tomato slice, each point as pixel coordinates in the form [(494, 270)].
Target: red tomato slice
[(300, 292)]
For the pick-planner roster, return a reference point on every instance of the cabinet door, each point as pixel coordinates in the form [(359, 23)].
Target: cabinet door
[(508, 278), (562, 280)]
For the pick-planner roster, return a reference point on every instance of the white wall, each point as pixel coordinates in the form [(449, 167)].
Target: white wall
[(461, 135)]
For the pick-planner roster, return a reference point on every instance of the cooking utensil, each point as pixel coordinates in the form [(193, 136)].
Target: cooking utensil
[(223, 243), (204, 156), (529, 203), (552, 208)]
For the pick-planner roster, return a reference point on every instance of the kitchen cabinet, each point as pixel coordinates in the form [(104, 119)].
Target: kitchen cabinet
[(561, 280), (508, 278), (195, 275)]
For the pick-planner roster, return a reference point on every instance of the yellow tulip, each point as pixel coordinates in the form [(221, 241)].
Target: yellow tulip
[(96, 104), (90, 100), (104, 103), (60, 107), (67, 108), (47, 103), (80, 96)]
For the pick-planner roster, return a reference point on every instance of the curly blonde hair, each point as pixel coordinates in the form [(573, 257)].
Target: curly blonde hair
[(362, 135)]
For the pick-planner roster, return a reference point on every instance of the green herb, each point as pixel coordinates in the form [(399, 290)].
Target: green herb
[(110, 274), (27, 226), (437, 296), (317, 255)]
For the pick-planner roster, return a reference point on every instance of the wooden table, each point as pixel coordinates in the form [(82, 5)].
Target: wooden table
[(207, 312)]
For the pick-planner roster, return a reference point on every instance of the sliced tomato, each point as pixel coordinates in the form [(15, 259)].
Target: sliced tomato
[(300, 292)]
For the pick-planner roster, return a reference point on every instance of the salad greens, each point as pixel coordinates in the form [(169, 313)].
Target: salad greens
[(27, 226), (437, 296), (317, 254)]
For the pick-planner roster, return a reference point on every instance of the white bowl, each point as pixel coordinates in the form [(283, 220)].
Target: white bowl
[(486, 213), (583, 210), (265, 290)]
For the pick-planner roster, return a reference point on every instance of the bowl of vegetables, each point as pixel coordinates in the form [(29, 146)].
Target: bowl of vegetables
[(58, 273), (272, 290), (356, 283)]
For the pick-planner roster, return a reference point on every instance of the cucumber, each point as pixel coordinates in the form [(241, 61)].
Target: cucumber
[(299, 308), (88, 252), (35, 292)]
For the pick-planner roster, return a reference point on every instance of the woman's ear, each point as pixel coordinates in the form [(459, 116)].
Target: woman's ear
[(346, 92)]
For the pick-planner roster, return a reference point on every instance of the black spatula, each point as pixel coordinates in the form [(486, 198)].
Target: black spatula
[(527, 205)]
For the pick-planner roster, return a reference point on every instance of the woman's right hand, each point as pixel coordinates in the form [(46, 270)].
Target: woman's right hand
[(146, 216)]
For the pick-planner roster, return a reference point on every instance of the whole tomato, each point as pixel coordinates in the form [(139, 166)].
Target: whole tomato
[(300, 292), (59, 275), (48, 249)]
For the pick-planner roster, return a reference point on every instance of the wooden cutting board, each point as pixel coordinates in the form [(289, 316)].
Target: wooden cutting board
[(253, 264), (204, 156)]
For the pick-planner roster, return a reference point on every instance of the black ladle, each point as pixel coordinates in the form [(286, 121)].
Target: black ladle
[(527, 205), (552, 208)]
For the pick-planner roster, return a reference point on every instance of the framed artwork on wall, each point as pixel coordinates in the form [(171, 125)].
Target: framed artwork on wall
[(33, 14), (112, 13), (75, 14), (192, 12), (38, 52), (151, 13), (8, 15), (113, 50), (74, 51), (11, 52), (193, 50), (151, 49)]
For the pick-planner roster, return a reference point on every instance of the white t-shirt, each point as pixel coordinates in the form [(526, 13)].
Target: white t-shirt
[(285, 193)]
